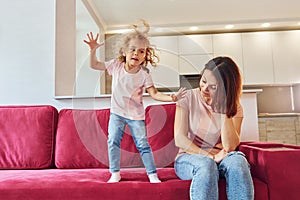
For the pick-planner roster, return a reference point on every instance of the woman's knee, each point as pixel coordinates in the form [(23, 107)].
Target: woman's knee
[(206, 165), (196, 166), (236, 161)]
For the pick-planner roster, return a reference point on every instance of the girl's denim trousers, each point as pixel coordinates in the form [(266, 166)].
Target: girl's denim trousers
[(116, 130)]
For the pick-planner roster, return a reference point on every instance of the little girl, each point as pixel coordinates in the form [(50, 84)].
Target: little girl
[(129, 77)]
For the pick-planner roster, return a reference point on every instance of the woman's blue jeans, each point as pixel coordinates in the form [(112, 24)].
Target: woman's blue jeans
[(116, 128), (205, 173)]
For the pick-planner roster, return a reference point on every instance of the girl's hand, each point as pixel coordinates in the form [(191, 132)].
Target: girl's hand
[(180, 94), (220, 156), (93, 44)]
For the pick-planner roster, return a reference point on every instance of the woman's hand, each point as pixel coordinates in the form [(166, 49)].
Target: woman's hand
[(93, 44), (220, 156), (180, 94)]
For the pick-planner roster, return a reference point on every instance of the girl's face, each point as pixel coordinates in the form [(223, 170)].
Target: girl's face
[(135, 53), (208, 86)]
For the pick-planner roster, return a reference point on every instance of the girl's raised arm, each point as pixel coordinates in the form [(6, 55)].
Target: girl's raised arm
[(93, 44)]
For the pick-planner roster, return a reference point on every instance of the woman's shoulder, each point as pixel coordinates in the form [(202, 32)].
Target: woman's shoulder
[(190, 96), (193, 93)]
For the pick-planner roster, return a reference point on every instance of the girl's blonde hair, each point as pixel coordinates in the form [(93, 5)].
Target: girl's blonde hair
[(151, 55)]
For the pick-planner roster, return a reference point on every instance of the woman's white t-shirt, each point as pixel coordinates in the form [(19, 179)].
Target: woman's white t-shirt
[(204, 127)]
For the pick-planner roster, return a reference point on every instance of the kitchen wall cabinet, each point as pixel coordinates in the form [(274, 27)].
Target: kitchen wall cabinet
[(263, 57), (257, 58), (194, 52), (165, 43), (229, 44), (166, 73), (193, 64), (195, 44), (286, 55)]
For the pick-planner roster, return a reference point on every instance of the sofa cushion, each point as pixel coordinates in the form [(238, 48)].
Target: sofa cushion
[(81, 140), (27, 136), (160, 130)]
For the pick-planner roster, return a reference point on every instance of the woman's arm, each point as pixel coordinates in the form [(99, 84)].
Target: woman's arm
[(180, 134), (230, 132)]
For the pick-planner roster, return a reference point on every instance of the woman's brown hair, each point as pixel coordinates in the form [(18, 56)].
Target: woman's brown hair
[(229, 86)]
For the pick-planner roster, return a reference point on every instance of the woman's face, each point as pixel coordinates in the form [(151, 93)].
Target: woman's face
[(208, 86)]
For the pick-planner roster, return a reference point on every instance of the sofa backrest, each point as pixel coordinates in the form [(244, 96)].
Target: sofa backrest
[(81, 140), (160, 129), (27, 136)]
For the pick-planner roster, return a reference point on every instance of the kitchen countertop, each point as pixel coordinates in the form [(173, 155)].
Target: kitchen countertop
[(145, 94), (278, 114), (252, 90)]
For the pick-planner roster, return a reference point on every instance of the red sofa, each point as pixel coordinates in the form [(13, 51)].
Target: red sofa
[(46, 154)]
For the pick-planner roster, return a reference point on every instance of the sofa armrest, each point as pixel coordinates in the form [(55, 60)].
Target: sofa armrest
[(277, 165)]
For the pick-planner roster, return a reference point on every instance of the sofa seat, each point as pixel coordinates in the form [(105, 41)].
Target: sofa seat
[(91, 184)]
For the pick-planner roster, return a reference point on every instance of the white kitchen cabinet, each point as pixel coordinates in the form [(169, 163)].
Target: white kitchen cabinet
[(263, 57), (164, 77), (194, 52), (286, 55), (195, 44), (257, 56), (166, 73), (165, 43), (229, 44), (193, 64)]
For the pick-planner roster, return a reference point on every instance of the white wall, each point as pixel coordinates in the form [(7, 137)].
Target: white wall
[(27, 49), (87, 79), (27, 52)]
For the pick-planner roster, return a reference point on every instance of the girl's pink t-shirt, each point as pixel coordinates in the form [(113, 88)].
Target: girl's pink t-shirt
[(127, 90), (204, 127)]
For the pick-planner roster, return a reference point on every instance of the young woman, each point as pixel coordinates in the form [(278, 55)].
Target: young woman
[(207, 131)]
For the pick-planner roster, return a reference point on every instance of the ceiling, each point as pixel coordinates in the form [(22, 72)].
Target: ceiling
[(209, 15)]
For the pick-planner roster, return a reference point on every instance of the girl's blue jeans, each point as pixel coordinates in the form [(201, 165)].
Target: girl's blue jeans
[(205, 173), (116, 128)]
